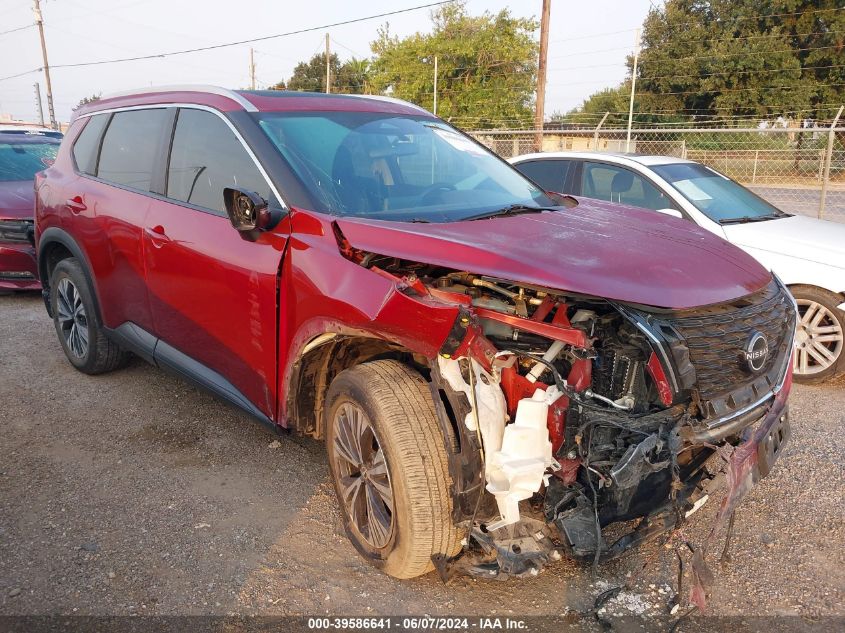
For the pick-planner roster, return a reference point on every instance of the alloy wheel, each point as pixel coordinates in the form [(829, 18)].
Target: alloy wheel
[(363, 478), (818, 339), (73, 320)]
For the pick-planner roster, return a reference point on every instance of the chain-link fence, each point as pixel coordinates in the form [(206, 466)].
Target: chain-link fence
[(798, 170)]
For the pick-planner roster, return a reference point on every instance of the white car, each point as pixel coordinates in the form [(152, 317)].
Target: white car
[(806, 253)]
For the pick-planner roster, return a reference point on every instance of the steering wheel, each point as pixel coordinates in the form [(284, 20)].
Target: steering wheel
[(428, 196)]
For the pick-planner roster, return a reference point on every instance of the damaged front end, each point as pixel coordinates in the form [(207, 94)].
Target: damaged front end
[(570, 414)]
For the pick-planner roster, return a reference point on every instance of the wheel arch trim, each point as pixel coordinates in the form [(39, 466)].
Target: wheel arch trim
[(55, 235)]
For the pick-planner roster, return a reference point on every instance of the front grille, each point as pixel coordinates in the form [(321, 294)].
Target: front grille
[(717, 336), (16, 230)]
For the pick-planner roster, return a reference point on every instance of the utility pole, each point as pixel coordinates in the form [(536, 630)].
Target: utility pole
[(540, 111), (38, 103), (633, 89), (328, 66), (251, 69), (435, 85), (40, 22), (831, 137)]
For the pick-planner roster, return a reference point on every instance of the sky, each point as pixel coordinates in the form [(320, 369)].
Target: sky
[(588, 42)]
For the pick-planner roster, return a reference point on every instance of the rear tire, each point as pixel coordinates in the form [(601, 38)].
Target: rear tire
[(820, 337), (392, 482), (77, 325)]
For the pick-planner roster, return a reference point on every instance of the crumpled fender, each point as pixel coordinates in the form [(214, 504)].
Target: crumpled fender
[(320, 292)]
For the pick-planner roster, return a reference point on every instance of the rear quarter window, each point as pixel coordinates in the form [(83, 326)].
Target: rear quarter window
[(130, 147), (87, 144)]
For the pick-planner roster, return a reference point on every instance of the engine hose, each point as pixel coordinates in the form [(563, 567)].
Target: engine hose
[(560, 382)]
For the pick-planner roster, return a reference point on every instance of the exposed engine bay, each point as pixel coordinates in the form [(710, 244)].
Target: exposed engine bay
[(580, 413)]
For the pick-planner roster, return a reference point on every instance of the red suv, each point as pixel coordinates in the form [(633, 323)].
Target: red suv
[(355, 269)]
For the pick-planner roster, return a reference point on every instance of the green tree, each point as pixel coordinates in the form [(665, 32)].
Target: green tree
[(351, 77), (612, 100), (712, 59), (85, 100), (310, 76), (487, 67)]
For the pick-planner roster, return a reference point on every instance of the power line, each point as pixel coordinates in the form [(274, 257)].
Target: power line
[(26, 72), (592, 36), (750, 53), (743, 72), (744, 18), (759, 88), (255, 39), (20, 28), (695, 22)]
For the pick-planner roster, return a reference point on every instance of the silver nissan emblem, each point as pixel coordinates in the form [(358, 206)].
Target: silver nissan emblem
[(756, 352)]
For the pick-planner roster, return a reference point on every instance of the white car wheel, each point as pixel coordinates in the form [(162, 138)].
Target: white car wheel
[(819, 339)]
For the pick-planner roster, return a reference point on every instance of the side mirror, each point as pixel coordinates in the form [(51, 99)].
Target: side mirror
[(672, 212), (248, 211)]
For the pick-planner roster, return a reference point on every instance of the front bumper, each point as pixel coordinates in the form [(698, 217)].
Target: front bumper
[(738, 462), (18, 267)]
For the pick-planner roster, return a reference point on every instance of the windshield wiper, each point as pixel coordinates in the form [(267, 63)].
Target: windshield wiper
[(752, 218), (512, 209)]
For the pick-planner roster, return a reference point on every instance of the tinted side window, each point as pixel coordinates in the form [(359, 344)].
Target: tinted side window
[(549, 174), (88, 144), (207, 157), (617, 184), (130, 146)]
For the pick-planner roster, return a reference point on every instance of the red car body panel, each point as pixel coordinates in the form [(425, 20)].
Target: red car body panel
[(16, 203), (110, 232), (322, 292), (16, 198), (18, 258), (597, 249), (213, 294)]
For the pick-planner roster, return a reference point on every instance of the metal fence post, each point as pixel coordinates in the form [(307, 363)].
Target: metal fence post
[(754, 172), (596, 133), (831, 135)]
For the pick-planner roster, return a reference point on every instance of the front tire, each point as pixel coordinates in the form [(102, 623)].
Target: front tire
[(819, 340), (77, 324), (389, 467)]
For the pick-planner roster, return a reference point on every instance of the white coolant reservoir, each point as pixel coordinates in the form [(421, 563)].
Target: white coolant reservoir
[(516, 471)]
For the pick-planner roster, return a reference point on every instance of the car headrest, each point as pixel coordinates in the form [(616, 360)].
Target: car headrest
[(621, 182)]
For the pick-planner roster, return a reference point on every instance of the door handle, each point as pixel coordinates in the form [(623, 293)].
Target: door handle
[(157, 235), (76, 204)]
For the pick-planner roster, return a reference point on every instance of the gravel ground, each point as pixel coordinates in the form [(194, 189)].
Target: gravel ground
[(134, 493)]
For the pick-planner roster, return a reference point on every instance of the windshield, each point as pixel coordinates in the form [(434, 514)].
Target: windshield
[(716, 196), (395, 167), (21, 160)]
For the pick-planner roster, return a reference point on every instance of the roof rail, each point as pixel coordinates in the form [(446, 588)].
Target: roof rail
[(216, 90), (387, 99)]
